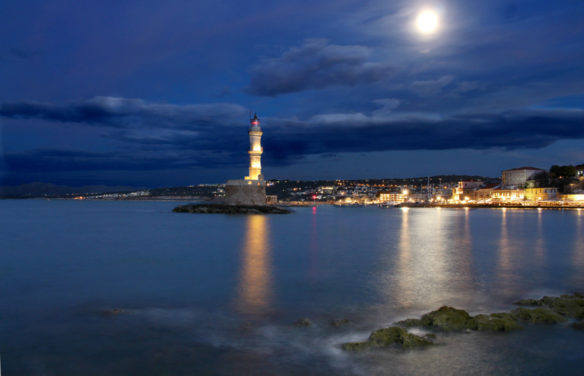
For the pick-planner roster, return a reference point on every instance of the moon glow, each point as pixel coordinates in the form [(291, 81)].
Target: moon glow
[(427, 22)]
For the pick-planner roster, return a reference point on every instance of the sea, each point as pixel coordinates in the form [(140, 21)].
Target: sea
[(131, 288)]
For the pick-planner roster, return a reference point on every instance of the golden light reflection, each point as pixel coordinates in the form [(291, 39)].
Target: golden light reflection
[(423, 272), (404, 262), (578, 255), (539, 243), (504, 264), (255, 277)]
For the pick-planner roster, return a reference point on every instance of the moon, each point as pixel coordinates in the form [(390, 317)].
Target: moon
[(427, 21)]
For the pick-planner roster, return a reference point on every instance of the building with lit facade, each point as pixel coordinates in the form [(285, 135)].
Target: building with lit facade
[(541, 194), (518, 177)]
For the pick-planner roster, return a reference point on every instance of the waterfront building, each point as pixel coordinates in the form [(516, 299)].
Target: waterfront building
[(573, 197), (541, 194), (391, 197), (466, 190), (508, 194), (517, 177)]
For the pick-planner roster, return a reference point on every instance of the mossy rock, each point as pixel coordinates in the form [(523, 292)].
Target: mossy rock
[(356, 346), (567, 305), (392, 336), (409, 323), (528, 302), (448, 319), (578, 325), (496, 322), (340, 322), (303, 323), (537, 315)]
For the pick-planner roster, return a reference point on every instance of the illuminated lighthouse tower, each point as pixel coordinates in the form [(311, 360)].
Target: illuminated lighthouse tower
[(252, 189), (255, 150)]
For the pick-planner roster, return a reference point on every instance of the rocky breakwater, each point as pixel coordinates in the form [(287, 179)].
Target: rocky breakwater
[(230, 209)]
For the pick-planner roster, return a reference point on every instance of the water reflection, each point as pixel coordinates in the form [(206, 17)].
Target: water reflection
[(539, 243), (255, 276), (578, 256), (425, 271), (504, 266)]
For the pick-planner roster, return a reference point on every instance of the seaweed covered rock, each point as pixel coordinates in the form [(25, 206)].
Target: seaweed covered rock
[(448, 319), (496, 322), (537, 315), (303, 323), (340, 322), (566, 305), (409, 323), (392, 336), (528, 302)]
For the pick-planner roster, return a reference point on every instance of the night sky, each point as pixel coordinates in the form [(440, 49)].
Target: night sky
[(159, 93)]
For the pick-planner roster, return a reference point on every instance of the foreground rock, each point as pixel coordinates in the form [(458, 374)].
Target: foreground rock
[(230, 209), (449, 319), (303, 323), (565, 305), (340, 322), (537, 315), (389, 337)]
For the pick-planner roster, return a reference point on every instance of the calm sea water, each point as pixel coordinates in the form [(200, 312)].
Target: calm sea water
[(218, 295)]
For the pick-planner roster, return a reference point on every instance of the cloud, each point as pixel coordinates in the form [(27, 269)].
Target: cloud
[(337, 133), (431, 87), (126, 113), (151, 136), (315, 65)]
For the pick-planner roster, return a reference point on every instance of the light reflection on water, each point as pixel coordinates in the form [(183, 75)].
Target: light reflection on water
[(255, 288)]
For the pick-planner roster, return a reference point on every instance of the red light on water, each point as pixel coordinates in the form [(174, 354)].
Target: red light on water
[(314, 197)]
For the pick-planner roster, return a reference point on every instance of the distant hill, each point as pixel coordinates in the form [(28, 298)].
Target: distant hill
[(38, 189)]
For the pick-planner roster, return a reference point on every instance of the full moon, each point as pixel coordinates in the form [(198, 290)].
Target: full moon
[(427, 22)]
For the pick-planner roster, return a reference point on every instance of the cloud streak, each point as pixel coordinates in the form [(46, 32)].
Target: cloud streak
[(315, 65), (162, 136)]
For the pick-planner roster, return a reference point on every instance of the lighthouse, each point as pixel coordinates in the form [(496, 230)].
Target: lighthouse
[(255, 150), (252, 189)]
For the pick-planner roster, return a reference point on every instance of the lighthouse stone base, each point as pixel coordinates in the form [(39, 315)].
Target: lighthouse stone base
[(245, 192)]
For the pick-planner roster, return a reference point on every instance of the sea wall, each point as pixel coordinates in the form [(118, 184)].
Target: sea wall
[(245, 192)]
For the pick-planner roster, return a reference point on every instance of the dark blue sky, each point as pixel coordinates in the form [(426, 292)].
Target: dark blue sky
[(158, 93)]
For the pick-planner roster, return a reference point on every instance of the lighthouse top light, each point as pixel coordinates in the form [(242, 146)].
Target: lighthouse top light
[(255, 121)]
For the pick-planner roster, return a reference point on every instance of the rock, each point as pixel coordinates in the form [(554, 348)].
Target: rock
[(496, 322), (113, 312), (392, 336), (340, 322), (303, 323), (448, 319), (356, 346), (230, 209), (408, 323), (578, 325), (528, 302), (537, 315), (567, 305)]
